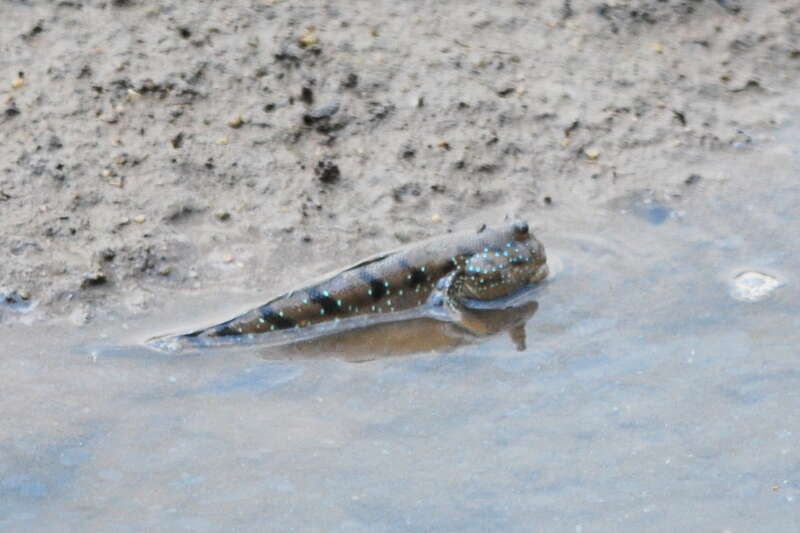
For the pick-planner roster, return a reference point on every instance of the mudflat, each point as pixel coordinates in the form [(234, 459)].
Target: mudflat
[(149, 147)]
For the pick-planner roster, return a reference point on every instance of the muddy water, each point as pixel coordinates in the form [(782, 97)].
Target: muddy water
[(650, 396)]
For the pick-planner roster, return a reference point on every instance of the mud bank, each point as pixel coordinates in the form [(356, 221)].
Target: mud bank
[(146, 147)]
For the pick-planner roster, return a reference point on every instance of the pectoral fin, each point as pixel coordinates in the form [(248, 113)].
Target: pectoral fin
[(517, 335)]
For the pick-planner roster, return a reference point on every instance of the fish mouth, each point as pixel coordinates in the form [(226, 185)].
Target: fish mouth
[(541, 273)]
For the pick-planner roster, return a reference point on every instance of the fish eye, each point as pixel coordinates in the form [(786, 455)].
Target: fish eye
[(520, 227)]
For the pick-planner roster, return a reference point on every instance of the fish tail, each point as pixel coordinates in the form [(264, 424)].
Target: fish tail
[(186, 341)]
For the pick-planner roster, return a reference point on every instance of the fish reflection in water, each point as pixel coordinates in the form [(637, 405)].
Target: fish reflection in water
[(413, 336)]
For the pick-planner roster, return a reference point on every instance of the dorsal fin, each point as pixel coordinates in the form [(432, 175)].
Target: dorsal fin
[(367, 261), (330, 275)]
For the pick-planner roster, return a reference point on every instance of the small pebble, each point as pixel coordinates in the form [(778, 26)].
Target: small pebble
[(309, 38), (133, 95), (93, 279), (236, 122), (223, 140), (692, 179), (228, 259), (17, 83), (591, 153), (436, 218), (321, 113), (351, 81), (139, 219), (222, 215), (752, 286), (24, 294), (165, 270)]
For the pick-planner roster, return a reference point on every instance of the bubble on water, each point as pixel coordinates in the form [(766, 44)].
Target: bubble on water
[(753, 286)]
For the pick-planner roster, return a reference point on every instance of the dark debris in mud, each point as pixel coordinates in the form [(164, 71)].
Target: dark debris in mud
[(327, 172), (693, 179)]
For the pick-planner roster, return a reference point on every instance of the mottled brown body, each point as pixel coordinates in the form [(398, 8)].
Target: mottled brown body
[(449, 271)]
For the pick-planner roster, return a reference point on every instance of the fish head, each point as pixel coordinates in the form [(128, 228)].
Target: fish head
[(511, 260)]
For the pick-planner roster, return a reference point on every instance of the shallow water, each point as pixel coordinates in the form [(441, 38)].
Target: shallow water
[(648, 398)]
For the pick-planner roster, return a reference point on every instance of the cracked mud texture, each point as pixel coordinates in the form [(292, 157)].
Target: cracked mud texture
[(148, 147)]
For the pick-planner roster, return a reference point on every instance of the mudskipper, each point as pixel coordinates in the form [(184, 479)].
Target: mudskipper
[(445, 278)]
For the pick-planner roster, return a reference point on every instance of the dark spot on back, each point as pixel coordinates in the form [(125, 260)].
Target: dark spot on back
[(280, 322), (378, 287), (365, 275), (220, 330), (223, 330), (448, 267), (417, 277), (327, 303)]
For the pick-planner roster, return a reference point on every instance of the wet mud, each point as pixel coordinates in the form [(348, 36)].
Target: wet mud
[(164, 167), (146, 147)]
